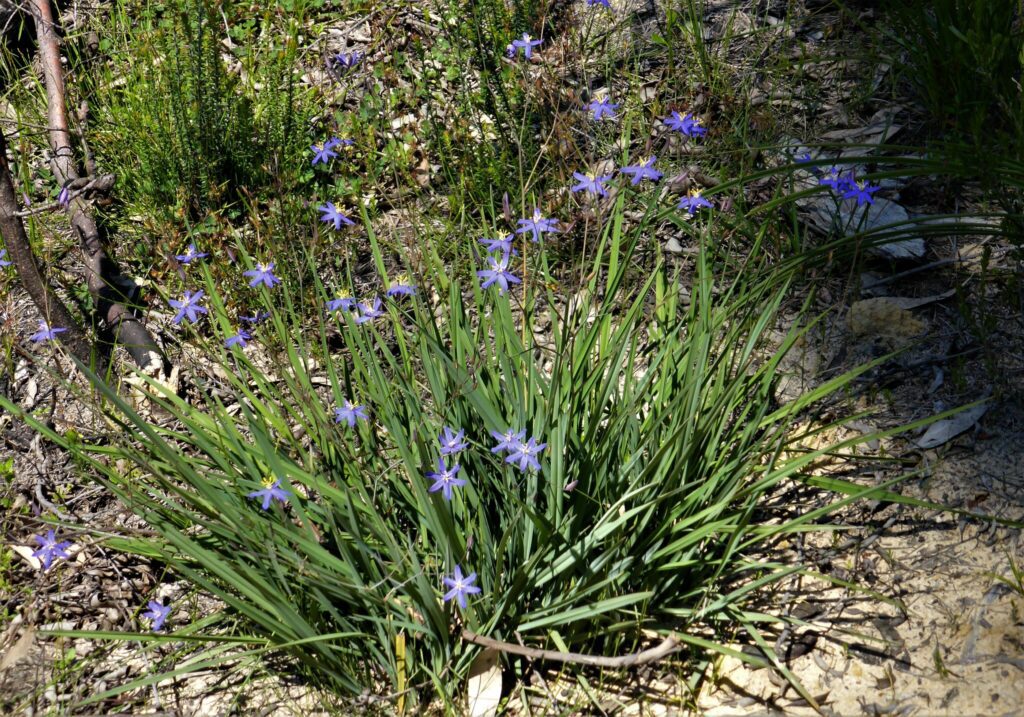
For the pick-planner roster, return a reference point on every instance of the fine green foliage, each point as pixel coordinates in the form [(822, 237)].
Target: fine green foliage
[(965, 58), (184, 133), (662, 437)]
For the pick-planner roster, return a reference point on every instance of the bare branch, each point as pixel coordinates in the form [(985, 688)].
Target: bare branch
[(667, 647)]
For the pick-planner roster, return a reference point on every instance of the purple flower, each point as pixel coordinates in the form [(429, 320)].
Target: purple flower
[(64, 198), (526, 454), (444, 479), (270, 491), (241, 338), (526, 44), (693, 201), (806, 158), (190, 254), (350, 412), (4, 262), (263, 274), (345, 62), (461, 586), (686, 124), (537, 225), (838, 180), (644, 170), (367, 313), (157, 613), (45, 333), (323, 155), (591, 183), (343, 300), (258, 318), (452, 442), (401, 286), (605, 3), (50, 549), (188, 306), (502, 245), (338, 142), (861, 191), (602, 108), (498, 274), (508, 441), (332, 215)]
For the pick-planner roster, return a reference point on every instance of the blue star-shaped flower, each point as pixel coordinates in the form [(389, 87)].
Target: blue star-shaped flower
[(350, 412), (187, 306), (263, 274), (861, 191), (345, 62), (525, 454), (401, 286), (157, 613), (323, 155), (444, 479), (642, 171), (190, 254), (498, 274), (502, 245), (4, 262), (343, 300), (605, 3), (526, 44), (692, 202), (452, 442), (591, 183), (602, 108), (338, 142), (687, 124), (45, 333), (839, 181), (269, 492), (508, 441), (368, 313), (239, 339), (258, 318), (537, 225), (50, 549), (332, 215), (461, 586)]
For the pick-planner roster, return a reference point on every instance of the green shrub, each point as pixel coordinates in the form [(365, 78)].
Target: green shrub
[(183, 134)]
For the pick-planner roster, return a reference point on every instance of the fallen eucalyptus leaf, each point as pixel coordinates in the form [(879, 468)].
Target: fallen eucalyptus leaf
[(945, 430)]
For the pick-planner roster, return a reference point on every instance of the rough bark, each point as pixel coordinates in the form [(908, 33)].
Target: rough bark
[(104, 279)]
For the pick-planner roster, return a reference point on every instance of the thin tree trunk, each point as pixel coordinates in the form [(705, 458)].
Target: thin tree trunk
[(104, 278)]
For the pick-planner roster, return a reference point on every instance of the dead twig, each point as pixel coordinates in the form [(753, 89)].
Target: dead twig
[(669, 645)]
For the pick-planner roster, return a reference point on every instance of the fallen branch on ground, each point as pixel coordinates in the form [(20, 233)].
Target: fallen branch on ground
[(667, 647)]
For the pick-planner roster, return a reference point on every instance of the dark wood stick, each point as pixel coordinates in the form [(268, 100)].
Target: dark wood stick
[(667, 647), (104, 279)]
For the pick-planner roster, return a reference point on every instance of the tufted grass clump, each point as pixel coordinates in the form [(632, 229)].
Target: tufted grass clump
[(299, 484)]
